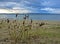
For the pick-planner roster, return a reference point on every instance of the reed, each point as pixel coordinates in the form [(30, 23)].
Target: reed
[(18, 34)]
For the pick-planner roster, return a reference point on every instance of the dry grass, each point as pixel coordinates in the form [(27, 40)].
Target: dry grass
[(26, 32)]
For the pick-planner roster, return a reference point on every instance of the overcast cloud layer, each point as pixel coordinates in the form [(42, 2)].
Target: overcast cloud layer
[(30, 6)]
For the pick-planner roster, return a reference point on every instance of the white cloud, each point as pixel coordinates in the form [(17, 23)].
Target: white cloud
[(20, 11), (47, 3), (15, 7), (47, 9), (27, 2), (6, 3), (18, 8), (51, 10), (14, 11), (10, 4), (4, 11)]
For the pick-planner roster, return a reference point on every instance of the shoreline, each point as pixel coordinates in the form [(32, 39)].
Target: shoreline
[(49, 21)]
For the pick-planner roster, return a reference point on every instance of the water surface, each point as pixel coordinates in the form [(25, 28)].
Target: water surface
[(31, 16)]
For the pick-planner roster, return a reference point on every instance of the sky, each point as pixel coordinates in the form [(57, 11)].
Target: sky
[(29, 6)]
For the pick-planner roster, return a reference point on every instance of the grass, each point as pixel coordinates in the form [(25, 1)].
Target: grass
[(17, 32)]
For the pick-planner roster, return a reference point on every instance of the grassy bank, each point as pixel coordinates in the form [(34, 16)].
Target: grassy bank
[(29, 32)]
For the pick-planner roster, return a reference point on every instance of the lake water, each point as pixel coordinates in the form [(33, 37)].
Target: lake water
[(34, 17)]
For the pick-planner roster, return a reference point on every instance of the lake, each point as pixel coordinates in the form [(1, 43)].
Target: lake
[(32, 16)]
